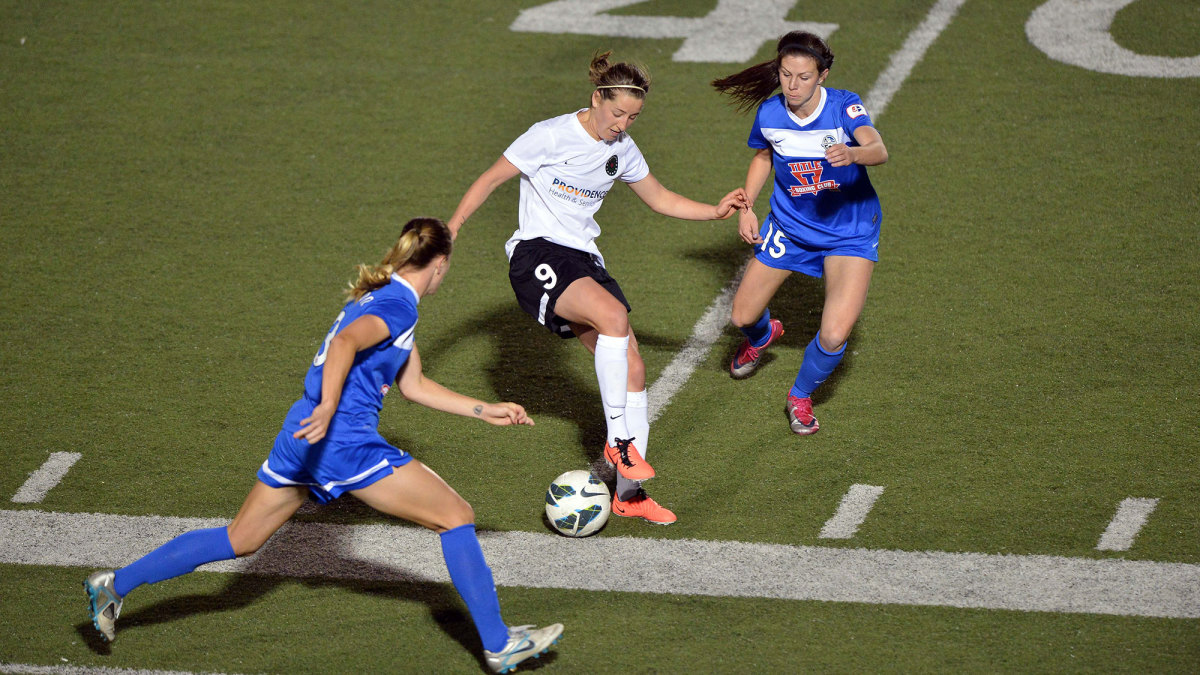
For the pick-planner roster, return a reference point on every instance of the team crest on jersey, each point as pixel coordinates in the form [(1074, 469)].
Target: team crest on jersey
[(385, 389), (610, 167), (828, 142), (856, 110)]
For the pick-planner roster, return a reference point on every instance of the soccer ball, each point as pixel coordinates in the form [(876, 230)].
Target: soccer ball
[(578, 504)]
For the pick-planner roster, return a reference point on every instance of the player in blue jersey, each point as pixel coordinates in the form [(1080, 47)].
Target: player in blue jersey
[(567, 165), (330, 444), (824, 217)]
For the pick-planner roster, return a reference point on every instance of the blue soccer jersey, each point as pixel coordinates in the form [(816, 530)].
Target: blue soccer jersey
[(815, 204), (374, 369)]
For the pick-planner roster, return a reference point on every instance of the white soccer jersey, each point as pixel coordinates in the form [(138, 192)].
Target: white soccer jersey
[(565, 174)]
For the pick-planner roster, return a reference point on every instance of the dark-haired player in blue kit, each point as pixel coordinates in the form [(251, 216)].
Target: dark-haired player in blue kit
[(330, 444), (824, 216)]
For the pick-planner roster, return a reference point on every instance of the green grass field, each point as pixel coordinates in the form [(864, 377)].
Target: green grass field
[(185, 188)]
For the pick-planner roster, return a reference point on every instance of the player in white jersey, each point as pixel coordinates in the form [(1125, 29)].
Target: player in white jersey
[(567, 166), (824, 217), (330, 444)]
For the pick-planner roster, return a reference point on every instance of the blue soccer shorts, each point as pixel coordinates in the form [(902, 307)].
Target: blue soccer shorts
[(330, 468), (781, 252)]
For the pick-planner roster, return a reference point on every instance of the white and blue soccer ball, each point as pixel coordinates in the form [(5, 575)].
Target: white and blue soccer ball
[(578, 503)]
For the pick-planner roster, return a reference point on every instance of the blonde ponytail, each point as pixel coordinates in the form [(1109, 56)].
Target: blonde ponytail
[(421, 240)]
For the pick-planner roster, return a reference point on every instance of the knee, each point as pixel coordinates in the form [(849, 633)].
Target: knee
[(612, 319), (741, 316), (242, 544), (458, 515), (834, 339)]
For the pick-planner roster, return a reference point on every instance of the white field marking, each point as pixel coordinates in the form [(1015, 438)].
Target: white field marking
[(81, 670), (1031, 583), (1131, 517), (910, 54), (705, 334), (851, 513), (1077, 33), (731, 33), (45, 478)]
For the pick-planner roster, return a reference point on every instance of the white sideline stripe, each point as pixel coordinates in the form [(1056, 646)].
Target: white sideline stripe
[(910, 54), (705, 334), (45, 478), (851, 513), (1131, 517), (1033, 583), (710, 326), (81, 670)]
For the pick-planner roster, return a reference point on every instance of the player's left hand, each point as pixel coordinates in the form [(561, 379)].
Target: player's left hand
[(503, 414), (734, 201), (839, 155)]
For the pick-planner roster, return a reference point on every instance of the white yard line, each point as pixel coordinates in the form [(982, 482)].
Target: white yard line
[(45, 478), (705, 334), (1032, 583), (910, 54), (851, 513), (1130, 518), (81, 670)]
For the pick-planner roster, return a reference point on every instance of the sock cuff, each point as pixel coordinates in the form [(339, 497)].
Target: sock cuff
[(221, 536), (817, 344), (454, 532), (636, 399), (612, 342)]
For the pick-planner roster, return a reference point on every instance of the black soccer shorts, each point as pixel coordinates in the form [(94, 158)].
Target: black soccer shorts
[(540, 270)]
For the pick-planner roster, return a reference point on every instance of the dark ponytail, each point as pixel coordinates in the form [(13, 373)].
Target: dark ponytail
[(750, 87)]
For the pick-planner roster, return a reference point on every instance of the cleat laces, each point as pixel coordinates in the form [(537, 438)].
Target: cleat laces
[(623, 450)]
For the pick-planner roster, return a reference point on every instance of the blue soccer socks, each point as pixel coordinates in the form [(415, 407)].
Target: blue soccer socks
[(174, 558), (817, 366), (473, 580), (760, 331)]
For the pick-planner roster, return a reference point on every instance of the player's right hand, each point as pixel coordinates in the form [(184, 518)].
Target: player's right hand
[(748, 227)]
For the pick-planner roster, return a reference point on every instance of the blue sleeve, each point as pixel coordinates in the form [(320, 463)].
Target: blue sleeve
[(854, 113), (399, 316), (757, 140)]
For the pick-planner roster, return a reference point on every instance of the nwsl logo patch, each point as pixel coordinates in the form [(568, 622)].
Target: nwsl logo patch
[(856, 110), (610, 167)]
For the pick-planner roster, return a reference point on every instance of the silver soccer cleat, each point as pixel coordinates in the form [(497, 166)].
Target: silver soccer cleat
[(523, 642), (103, 602)]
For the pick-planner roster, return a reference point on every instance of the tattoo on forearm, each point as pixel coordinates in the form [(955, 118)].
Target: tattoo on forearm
[(478, 410)]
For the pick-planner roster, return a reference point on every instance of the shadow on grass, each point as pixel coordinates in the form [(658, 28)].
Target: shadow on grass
[(798, 304), (445, 606)]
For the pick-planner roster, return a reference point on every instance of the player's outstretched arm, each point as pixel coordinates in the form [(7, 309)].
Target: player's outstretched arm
[(661, 200), (479, 191), (417, 388), (756, 178)]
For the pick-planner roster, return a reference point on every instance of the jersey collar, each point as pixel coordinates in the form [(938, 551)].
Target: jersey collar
[(404, 282), (811, 118)]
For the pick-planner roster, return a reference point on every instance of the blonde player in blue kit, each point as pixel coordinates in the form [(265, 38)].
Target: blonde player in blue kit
[(330, 444), (824, 217), (567, 165)]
